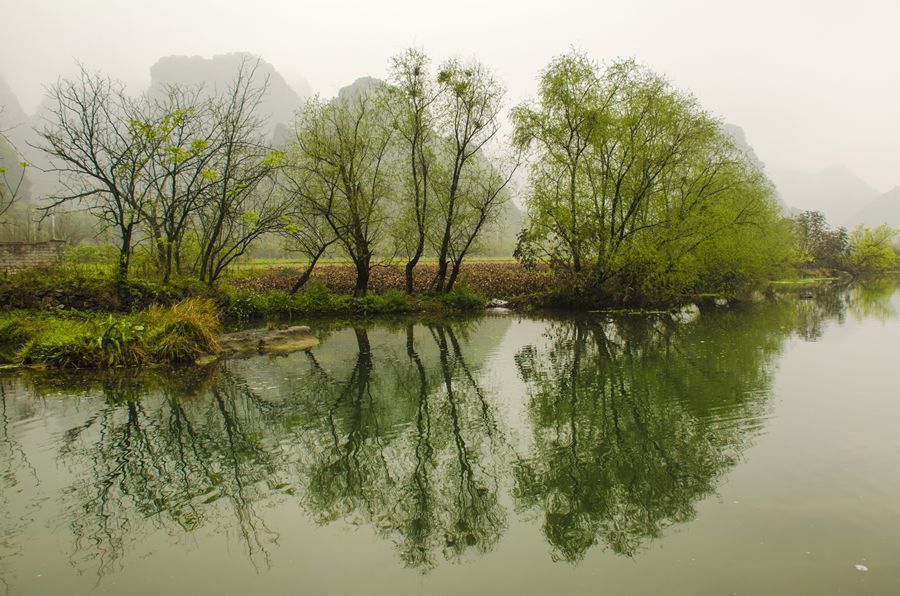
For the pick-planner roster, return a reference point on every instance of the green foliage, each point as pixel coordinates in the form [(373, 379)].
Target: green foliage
[(314, 300), (91, 288), (179, 333), (817, 244), (638, 194), (90, 254), (871, 250), (394, 301), (183, 332), (463, 299)]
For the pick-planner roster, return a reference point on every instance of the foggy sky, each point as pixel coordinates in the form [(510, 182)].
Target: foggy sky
[(813, 83)]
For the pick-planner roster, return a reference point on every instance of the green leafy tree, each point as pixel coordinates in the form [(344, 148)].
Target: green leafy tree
[(633, 185), (339, 169), (413, 97), (871, 250), (817, 243)]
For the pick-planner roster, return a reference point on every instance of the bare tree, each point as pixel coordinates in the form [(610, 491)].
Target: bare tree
[(180, 170), (12, 181), (306, 228), (481, 195), (97, 144), (241, 203)]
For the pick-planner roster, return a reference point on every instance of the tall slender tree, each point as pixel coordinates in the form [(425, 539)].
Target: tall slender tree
[(469, 118), (413, 99), (341, 159)]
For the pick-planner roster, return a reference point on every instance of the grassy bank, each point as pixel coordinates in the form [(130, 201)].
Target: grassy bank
[(74, 339), (83, 318), (68, 318)]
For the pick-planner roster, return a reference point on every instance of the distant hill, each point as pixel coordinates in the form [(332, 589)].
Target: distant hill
[(359, 86), (11, 113), (218, 72), (739, 137), (836, 191), (883, 209)]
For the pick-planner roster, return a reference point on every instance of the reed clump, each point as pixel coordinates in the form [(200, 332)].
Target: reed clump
[(159, 335)]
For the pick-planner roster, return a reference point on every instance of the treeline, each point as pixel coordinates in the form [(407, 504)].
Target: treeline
[(635, 193), (396, 169), (863, 250)]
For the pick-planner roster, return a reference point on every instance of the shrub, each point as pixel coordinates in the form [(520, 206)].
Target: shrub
[(184, 331), (463, 299), (316, 297), (393, 301)]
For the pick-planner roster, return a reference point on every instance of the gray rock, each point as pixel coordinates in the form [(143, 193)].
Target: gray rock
[(268, 340)]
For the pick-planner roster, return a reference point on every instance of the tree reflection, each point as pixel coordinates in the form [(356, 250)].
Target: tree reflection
[(630, 421), (410, 450), (173, 459), (635, 420)]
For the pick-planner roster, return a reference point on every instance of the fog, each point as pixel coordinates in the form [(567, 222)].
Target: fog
[(813, 84)]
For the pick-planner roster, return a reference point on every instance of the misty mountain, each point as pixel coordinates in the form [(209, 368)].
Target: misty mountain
[(11, 113), (835, 191), (884, 209), (359, 86), (217, 73), (739, 137)]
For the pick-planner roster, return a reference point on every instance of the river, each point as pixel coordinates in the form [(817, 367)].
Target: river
[(747, 449)]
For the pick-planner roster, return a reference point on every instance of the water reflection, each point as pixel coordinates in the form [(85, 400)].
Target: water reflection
[(635, 420), (187, 454), (628, 423), (409, 446)]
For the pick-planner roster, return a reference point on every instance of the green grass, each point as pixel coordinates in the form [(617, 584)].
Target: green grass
[(804, 281), (317, 300), (160, 335)]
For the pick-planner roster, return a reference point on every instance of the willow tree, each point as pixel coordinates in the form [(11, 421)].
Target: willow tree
[(634, 185), (559, 131), (413, 98), (469, 108), (339, 165)]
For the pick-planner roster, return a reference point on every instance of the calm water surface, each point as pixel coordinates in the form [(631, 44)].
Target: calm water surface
[(747, 450)]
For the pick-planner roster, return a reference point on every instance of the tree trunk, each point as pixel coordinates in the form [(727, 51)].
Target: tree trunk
[(441, 277), (304, 277), (125, 253), (411, 266), (362, 276), (454, 273)]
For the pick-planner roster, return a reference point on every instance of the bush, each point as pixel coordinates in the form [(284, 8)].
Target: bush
[(463, 299), (89, 254), (394, 301), (184, 331)]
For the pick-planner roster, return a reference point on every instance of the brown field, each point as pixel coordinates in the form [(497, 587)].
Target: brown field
[(502, 279)]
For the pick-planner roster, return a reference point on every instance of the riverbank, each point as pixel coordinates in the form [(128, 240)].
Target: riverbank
[(70, 318)]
